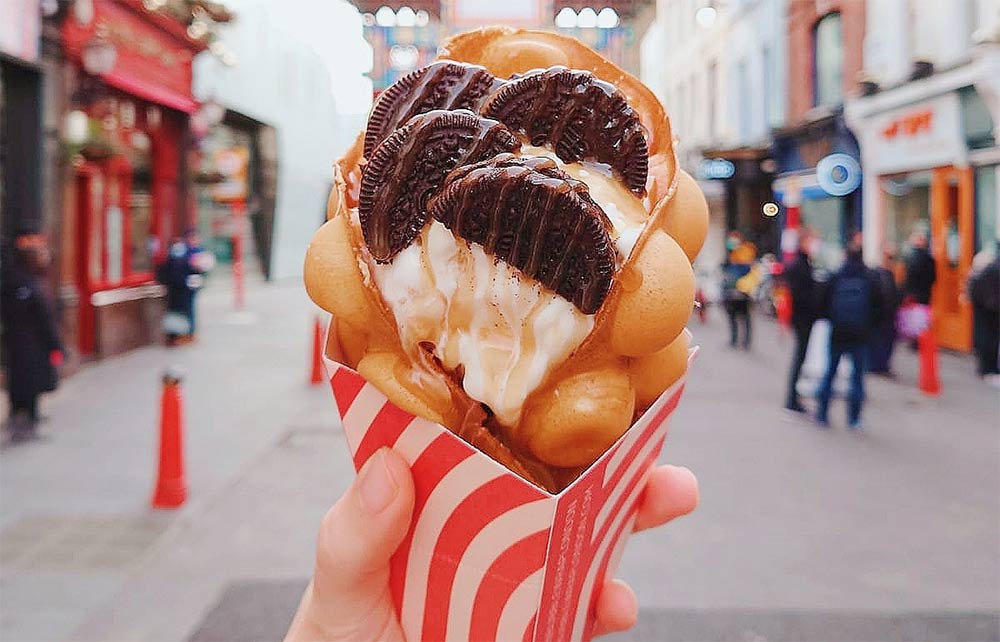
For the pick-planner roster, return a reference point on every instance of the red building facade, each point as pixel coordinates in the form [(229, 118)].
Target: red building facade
[(804, 19), (126, 73)]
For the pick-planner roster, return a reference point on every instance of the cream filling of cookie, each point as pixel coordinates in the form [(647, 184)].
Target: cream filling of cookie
[(502, 331)]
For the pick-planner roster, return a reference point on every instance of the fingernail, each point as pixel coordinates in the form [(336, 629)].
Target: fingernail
[(376, 486), (683, 471)]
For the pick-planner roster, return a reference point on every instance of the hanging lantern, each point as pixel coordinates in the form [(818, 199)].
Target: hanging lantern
[(99, 56)]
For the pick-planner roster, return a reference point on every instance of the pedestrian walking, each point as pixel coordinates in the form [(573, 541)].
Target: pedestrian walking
[(174, 273), (30, 339), (801, 286), (852, 301), (200, 261), (740, 278), (984, 294), (921, 271), (883, 339)]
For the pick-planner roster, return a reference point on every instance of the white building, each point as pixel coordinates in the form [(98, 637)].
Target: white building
[(929, 133), (720, 70), (280, 104)]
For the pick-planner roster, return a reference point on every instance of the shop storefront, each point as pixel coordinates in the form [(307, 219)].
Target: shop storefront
[(126, 132), (745, 179), (236, 187), (819, 185), (930, 153)]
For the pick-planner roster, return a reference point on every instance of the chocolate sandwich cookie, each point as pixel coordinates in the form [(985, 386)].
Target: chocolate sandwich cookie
[(581, 117), (409, 166), (529, 214), (441, 85)]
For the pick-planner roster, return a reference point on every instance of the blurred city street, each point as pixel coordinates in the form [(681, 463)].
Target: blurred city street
[(802, 534), (824, 166)]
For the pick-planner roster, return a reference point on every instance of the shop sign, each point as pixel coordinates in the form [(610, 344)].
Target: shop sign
[(716, 169), (927, 134), (149, 61), (20, 28), (838, 174), (232, 163)]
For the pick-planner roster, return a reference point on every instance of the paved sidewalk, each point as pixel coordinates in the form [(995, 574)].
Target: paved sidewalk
[(802, 534), (74, 507)]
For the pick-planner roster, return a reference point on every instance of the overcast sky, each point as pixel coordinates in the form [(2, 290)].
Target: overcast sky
[(333, 29)]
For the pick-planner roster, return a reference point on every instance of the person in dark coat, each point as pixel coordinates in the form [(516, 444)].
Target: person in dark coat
[(174, 273), (30, 339), (803, 290), (199, 261), (984, 293), (883, 339), (852, 300), (921, 271)]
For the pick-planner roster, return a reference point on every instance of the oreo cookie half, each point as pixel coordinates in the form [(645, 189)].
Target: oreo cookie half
[(531, 215), (441, 85), (583, 118), (409, 166)]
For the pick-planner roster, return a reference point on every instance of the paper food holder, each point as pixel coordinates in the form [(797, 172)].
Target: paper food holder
[(489, 556)]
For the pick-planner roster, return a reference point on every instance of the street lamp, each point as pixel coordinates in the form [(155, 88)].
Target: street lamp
[(706, 15), (587, 18), (385, 17), (76, 127), (607, 18), (406, 17), (566, 18)]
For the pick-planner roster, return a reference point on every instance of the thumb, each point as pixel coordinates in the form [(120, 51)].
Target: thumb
[(349, 597)]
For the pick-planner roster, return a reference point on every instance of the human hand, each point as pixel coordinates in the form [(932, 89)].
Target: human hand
[(348, 597)]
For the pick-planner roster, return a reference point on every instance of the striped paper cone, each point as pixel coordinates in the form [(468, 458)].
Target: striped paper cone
[(489, 556)]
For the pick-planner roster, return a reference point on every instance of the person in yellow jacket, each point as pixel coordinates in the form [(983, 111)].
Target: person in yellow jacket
[(740, 279)]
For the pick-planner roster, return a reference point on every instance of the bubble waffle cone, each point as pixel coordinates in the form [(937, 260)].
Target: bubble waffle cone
[(508, 250)]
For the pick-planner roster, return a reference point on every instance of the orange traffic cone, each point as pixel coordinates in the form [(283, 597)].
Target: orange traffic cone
[(929, 383), (171, 491), (316, 376)]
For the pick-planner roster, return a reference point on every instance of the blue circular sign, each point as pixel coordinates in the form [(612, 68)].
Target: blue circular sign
[(838, 174), (716, 169)]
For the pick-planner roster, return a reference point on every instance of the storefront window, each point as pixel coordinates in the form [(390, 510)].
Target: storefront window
[(986, 208), (952, 240), (828, 58), (121, 219), (113, 229), (825, 216), (907, 207), (140, 208), (225, 181), (976, 120)]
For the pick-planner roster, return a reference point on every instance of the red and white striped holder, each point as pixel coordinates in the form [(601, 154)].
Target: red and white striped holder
[(489, 556)]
